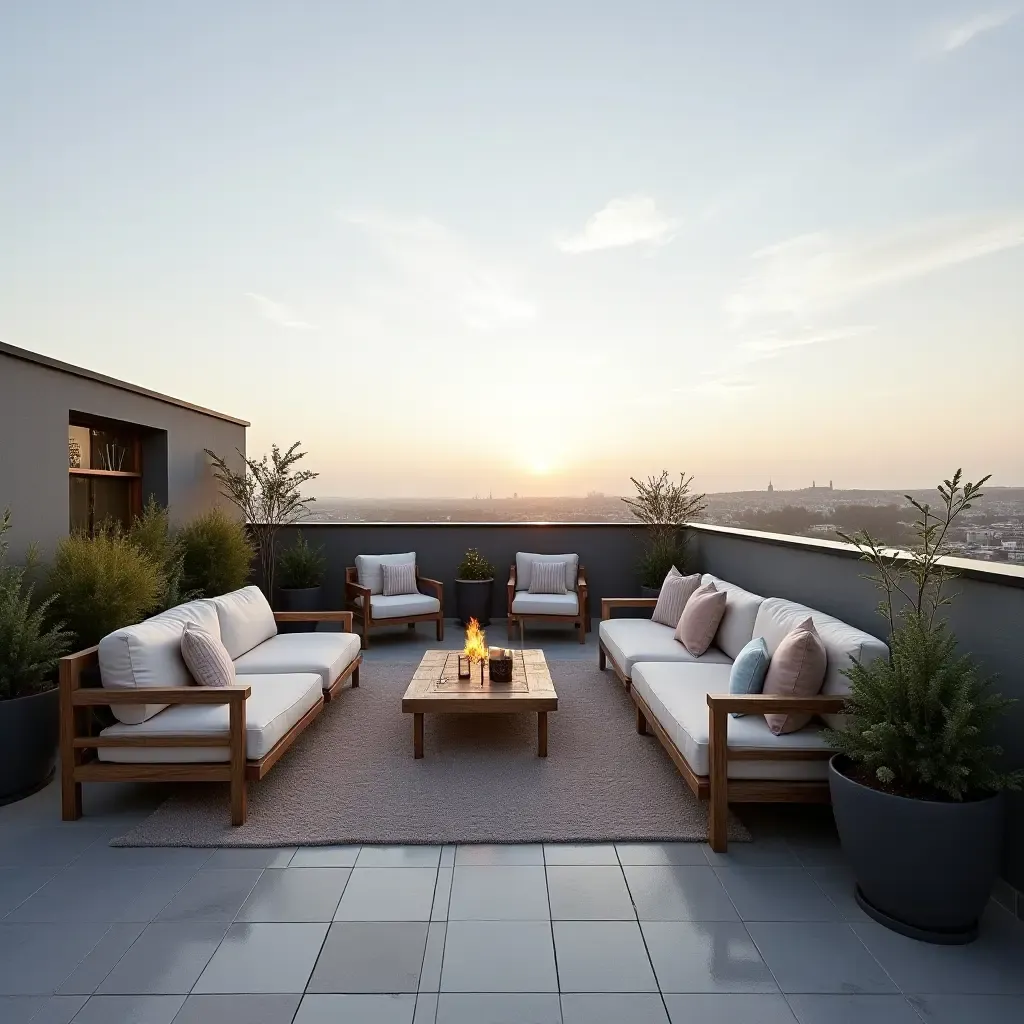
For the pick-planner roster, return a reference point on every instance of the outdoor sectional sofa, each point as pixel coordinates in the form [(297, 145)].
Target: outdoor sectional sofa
[(686, 702), (168, 729)]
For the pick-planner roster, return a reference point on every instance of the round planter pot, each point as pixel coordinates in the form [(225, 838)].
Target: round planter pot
[(299, 599), (650, 591), (924, 868), (29, 728), (473, 600)]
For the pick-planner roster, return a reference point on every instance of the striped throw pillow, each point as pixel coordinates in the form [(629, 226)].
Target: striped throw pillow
[(206, 657), (547, 578), (399, 579), (675, 592)]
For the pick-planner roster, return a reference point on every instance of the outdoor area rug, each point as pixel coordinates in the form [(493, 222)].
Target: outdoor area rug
[(351, 777)]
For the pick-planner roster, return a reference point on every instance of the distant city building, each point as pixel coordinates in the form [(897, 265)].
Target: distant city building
[(771, 488), (983, 536)]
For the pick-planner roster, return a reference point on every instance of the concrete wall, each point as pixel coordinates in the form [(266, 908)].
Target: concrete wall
[(35, 402)]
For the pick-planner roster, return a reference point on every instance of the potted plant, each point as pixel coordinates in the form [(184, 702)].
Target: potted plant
[(29, 702), (664, 506), (916, 787), (474, 587), (301, 576)]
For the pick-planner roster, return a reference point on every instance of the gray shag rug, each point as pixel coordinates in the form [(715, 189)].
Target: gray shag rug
[(351, 777)]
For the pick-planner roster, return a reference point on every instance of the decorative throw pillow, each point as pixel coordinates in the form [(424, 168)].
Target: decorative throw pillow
[(547, 578), (749, 669), (206, 657), (399, 579), (701, 616), (797, 669), (675, 592)]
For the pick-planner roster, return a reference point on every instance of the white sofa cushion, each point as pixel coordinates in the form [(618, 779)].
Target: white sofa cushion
[(327, 654), (524, 568), (245, 620), (274, 706), (370, 573), (777, 617), (525, 603), (148, 654), (736, 629), (677, 697), (631, 640), (401, 606)]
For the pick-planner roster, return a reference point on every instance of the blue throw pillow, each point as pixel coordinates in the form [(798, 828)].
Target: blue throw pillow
[(749, 669)]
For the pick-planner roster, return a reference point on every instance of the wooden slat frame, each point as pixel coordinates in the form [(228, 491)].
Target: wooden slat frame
[(364, 612), (581, 620)]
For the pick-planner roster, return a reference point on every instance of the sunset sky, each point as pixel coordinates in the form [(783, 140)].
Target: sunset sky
[(534, 247)]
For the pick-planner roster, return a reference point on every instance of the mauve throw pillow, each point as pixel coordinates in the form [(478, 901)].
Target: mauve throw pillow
[(749, 669), (700, 619), (797, 669), (675, 592), (206, 657)]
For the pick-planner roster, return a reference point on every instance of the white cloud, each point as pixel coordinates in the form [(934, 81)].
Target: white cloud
[(441, 269), (280, 314), (953, 37), (772, 342), (629, 221)]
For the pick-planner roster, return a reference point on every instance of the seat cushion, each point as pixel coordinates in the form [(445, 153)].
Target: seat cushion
[(737, 626), (327, 654), (148, 654), (631, 640), (401, 606), (524, 568), (274, 706), (370, 573), (677, 697), (245, 620), (545, 604)]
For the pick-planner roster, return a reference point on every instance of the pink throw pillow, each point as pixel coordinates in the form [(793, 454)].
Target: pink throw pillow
[(700, 619), (797, 669)]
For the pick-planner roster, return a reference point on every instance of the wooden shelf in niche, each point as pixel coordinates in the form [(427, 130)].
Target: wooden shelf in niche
[(105, 472)]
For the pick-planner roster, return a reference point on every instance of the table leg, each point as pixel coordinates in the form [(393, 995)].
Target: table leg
[(417, 735), (542, 734)]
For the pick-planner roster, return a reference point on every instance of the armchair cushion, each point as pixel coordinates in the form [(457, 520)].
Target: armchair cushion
[(245, 620), (399, 579), (327, 654), (547, 578), (370, 573), (545, 604), (401, 606), (524, 568)]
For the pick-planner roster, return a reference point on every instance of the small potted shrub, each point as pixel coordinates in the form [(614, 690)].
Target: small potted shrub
[(474, 588), (30, 648), (916, 787), (300, 573)]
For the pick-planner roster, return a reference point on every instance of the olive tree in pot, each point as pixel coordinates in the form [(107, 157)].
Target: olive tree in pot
[(474, 588), (664, 506), (30, 648), (916, 787)]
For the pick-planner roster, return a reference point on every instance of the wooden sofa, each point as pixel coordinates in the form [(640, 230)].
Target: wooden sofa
[(169, 729), (685, 701), (364, 597), (571, 608)]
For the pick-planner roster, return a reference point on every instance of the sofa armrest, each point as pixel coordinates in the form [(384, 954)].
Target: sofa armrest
[(345, 618), (511, 587), (435, 585), (772, 703), (97, 696), (609, 604)]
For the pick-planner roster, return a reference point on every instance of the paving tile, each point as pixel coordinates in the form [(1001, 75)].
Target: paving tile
[(442, 894), (728, 1008), (956, 1009), (447, 861), (36, 958), (40, 1009), (324, 857), (130, 1010), (256, 857), (580, 853), (858, 1009), (817, 851), (602, 956), (101, 855), (765, 853), (17, 884), (166, 959), (366, 1009), (498, 1008), (498, 894), (838, 884), (678, 893), (47, 845), (214, 895), (238, 1009), (613, 1008), (498, 956), (662, 853), (387, 894), (263, 958), (88, 975), (707, 956), (365, 956), (426, 1004), (498, 854), (295, 894), (589, 893), (776, 894), (430, 975), (399, 857), (815, 957)]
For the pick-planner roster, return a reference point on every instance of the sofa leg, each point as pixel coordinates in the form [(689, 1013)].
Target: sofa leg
[(581, 629), (239, 800), (355, 678), (718, 782), (641, 722), (510, 622), (70, 796), (602, 659), (236, 738), (440, 630)]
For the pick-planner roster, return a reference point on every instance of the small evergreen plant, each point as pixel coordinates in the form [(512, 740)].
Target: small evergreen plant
[(474, 567), (301, 566)]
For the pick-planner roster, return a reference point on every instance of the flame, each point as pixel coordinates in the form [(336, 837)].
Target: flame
[(476, 643)]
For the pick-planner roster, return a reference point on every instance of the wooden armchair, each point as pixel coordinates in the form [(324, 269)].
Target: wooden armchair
[(372, 609), (571, 608)]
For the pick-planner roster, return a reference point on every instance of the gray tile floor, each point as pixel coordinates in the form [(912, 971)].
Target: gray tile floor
[(640, 933)]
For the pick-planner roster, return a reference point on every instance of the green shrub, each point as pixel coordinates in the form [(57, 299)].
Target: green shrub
[(301, 566), (216, 554), (659, 556), (474, 567), (151, 531)]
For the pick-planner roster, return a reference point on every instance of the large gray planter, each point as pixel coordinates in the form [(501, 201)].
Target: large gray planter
[(29, 729), (299, 599), (924, 868), (473, 600)]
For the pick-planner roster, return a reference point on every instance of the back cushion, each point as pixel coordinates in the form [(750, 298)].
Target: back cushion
[(777, 617), (149, 654), (524, 568), (370, 573), (245, 620), (737, 626)]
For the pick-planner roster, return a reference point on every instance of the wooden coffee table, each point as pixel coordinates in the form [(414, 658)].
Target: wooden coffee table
[(436, 687)]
